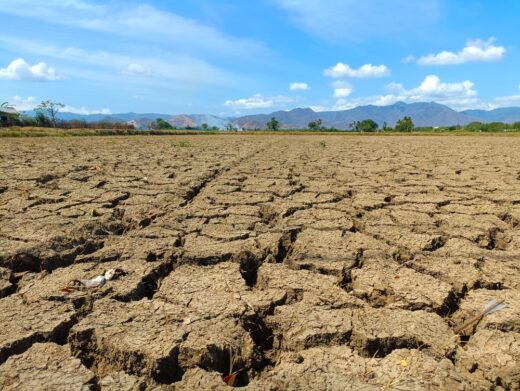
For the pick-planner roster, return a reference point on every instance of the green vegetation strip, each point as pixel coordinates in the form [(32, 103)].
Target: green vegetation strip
[(57, 132)]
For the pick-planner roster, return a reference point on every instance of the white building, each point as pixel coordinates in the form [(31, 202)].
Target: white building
[(6, 112)]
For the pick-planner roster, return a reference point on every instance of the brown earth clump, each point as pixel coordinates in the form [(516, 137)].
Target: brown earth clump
[(300, 266)]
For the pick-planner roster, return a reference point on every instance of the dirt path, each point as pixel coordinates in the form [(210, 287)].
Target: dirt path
[(326, 266)]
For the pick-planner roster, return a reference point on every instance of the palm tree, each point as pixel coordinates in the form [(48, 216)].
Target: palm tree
[(6, 105), (8, 114)]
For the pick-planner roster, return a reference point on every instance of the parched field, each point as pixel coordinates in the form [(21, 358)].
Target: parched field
[(316, 262)]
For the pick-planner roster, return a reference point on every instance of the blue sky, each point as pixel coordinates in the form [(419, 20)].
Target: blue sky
[(248, 56)]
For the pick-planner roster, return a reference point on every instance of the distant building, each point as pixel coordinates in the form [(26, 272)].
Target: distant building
[(5, 113)]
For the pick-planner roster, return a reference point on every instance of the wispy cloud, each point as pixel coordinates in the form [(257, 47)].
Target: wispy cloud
[(138, 70), (355, 20), (474, 51), (85, 111), (20, 70), (409, 59), (504, 101), (170, 66), (143, 22), (258, 101), (30, 103)]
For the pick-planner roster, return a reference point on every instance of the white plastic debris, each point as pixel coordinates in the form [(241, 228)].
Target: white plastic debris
[(96, 282), (109, 274)]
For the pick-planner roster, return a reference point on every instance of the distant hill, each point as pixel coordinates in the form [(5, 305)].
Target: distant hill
[(142, 121), (295, 119), (198, 119), (423, 114), (506, 114), (179, 121)]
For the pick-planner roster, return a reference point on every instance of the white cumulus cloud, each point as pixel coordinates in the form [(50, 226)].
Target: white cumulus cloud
[(432, 84), (319, 108), (458, 95), (21, 70), (343, 104), (342, 92), (499, 102), (505, 101), (85, 111), (474, 51), (341, 70), (296, 86), (257, 101), (24, 104)]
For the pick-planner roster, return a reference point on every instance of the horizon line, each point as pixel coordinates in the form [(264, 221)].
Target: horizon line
[(287, 110)]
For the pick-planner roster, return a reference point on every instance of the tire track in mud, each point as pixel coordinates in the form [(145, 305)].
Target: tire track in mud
[(192, 194), (149, 284)]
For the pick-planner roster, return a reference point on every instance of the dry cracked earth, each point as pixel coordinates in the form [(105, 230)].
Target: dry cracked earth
[(337, 265)]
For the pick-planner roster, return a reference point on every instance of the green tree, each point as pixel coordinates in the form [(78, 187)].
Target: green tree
[(494, 127), (315, 125), (42, 120), (367, 125), (50, 110), (474, 126), (204, 126), (230, 127), (273, 124), (405, 125), (161, 124), (27, 120)]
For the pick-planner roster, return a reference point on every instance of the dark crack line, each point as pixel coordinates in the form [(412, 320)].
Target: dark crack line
[(215, 175)]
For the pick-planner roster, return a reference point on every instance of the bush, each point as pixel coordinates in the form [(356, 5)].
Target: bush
[(367, 125), (404, 125)]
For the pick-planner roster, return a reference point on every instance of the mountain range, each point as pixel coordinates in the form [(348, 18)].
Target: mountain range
[(422, 114)]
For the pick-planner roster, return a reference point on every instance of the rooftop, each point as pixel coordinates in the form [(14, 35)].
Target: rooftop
[(8, 110)]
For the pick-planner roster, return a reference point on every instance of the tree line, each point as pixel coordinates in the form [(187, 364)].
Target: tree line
[(367, 125), (161, 124), (404, 124), (46, 116)]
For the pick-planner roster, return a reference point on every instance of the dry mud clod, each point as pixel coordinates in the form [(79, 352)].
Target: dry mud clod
[(345, 268)]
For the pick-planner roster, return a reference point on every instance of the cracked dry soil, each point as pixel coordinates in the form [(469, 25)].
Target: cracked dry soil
[(344, 267)]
